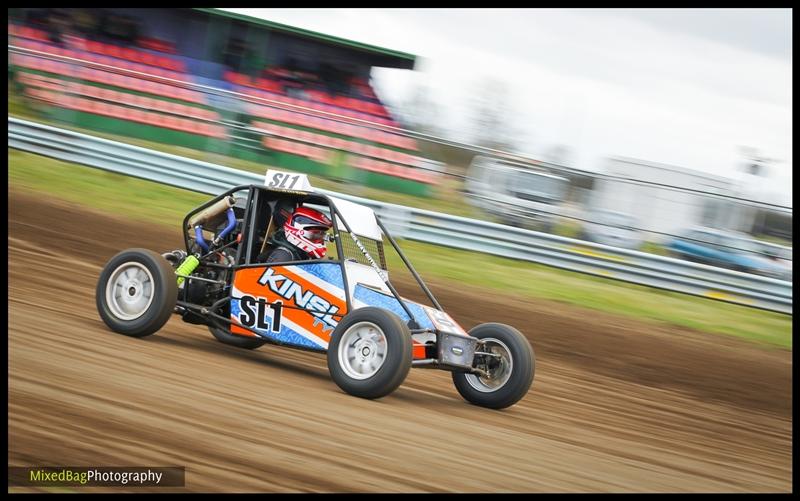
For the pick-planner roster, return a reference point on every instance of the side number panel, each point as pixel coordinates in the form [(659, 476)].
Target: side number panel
[(297, 304)]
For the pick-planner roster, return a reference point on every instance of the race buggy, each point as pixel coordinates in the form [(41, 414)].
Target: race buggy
[(343, 305)]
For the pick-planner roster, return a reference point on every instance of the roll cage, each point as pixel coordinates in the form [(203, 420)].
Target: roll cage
[(258, 197)]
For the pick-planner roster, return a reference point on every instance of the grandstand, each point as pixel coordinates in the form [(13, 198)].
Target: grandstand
[(305, 99)]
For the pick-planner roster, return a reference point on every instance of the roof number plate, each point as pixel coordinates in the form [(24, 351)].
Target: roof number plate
[(287, 181)]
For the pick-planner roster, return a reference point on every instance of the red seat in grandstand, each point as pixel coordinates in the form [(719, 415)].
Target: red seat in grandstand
[(170, 64), (127, 53), (148, 58), (113, 51)]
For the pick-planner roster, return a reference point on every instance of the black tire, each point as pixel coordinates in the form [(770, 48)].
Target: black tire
[(394, 364), (522, 369), (223, 336), (163, 290)]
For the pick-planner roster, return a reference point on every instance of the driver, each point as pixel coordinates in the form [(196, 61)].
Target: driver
[(301, 238)]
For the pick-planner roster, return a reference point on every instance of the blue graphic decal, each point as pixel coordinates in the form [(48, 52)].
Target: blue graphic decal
[(328, 272), (289, 336), (385, 301)]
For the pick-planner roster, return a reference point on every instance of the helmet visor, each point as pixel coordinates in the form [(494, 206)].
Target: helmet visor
[(316, 235), (302, 221)]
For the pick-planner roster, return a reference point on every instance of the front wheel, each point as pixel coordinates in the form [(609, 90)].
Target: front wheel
[(370, 353), (136, 292), (510, 367)]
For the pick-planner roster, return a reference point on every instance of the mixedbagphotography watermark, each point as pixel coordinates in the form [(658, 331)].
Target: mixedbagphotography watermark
[(96, 476)]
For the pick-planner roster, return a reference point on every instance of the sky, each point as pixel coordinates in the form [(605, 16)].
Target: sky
[(686, 87)]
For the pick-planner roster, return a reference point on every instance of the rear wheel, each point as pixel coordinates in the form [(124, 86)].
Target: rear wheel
[(370, 353), (510, 367), (136, 292)]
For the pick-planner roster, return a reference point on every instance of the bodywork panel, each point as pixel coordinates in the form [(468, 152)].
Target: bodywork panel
[(311, 298), (311, 301)]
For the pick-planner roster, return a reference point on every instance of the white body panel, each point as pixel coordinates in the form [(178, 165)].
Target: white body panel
[(360, 218), (358, 273)]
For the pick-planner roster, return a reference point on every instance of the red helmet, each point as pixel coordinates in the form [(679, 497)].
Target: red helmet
[(305, 229)]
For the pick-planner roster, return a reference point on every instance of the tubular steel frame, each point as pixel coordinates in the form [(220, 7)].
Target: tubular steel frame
[(254, 193)]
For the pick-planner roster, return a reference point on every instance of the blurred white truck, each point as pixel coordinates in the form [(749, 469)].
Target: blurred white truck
[(515, 193)]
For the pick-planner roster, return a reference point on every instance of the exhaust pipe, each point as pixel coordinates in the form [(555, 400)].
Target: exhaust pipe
[(210, 212)]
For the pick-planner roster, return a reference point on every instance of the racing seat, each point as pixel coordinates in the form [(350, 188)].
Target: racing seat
[(276, 214)]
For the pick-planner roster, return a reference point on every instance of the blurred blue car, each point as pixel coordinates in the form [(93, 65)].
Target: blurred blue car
[(726, 250)]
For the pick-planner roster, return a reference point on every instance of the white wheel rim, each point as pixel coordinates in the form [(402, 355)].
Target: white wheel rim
[(362, 350), (129, 291), (498, 376)]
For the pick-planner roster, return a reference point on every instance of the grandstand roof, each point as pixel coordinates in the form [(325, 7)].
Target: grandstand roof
[(391, 58)]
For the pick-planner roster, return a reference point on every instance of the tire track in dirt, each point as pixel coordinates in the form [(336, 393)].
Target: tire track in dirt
[(617, 405)]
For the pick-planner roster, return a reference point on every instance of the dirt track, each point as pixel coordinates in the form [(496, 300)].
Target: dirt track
[(616, 405)]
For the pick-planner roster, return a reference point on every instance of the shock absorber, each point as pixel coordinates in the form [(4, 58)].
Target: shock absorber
[(187, 267)]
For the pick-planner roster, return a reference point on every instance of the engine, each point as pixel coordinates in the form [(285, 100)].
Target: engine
[(208, 267)]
